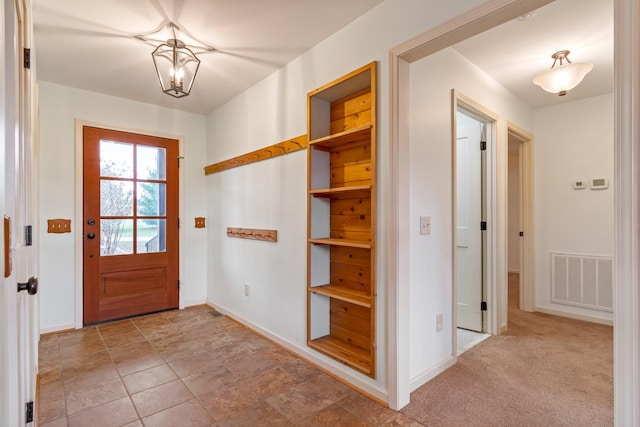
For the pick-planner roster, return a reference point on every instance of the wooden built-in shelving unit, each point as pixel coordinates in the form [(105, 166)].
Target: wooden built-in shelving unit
[(341, 232)]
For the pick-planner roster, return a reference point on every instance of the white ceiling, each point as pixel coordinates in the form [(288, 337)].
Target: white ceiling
[(515, 51), (90, 44)]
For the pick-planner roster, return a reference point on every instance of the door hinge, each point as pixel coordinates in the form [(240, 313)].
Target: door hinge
[(29, 412), (26, 60), (521, 233), (483, 306), (483, 225), (28, 235), (483, 145)]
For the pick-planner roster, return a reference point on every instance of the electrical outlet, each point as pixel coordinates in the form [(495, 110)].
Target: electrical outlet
[(246, 289), (439, 323), (425, 225)]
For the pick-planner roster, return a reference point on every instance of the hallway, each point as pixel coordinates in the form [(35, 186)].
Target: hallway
[(544, 371)]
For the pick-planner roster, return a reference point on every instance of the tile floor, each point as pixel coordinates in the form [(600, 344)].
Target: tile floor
[(188, 368), (468, 339)]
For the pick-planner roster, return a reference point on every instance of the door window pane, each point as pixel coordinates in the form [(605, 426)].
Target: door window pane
[(151, 199), (116, 198), (152, 236), (151, 162), (116, 236), (116, 159)]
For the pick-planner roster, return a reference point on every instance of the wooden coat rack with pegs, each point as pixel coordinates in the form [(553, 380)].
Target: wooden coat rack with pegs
[(275, 150), (253, 234)]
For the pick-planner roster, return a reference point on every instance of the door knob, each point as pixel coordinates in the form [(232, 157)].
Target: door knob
[(31, 286), (91, 236)]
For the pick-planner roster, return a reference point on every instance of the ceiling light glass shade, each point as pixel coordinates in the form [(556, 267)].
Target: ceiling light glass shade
[(564, 77), (176, 66)]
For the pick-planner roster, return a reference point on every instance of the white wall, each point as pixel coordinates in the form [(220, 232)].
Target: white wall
[(513, 237), (430, 192), (573, 141), (273, 110), (59, 107)]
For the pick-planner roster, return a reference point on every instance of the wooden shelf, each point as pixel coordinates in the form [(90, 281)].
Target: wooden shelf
[(344, 352), (341, 242), (351, 192), (343, 293), (352, 136)]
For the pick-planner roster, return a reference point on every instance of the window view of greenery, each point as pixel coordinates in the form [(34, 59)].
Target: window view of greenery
[(117, 235)]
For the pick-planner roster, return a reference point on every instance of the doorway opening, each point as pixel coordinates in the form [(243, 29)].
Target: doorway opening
[(520, 236), (432, 41), (473, 139)]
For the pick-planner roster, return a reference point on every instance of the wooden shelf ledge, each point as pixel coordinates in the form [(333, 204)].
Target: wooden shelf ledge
[(341, 242), (352, 192), (350, 136), (343, 293), (344, 352)]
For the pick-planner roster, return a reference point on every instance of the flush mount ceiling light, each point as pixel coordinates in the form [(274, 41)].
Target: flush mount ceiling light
[(175, 62), (564, 77)]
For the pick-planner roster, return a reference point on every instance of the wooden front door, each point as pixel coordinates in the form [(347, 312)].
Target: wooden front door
[(130, 224)]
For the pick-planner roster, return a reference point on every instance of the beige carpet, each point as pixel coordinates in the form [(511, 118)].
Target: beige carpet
[(545, 371)]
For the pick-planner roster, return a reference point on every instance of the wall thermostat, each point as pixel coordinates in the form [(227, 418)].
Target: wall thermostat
[(599, 183), (579, 185)]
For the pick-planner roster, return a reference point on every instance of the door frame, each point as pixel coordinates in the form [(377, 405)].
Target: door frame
[(78, 228), (490, 282), (526, 202)]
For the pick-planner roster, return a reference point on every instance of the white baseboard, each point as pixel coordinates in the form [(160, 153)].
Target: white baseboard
[(324, 363), (430, 373), (195, 302), (57, 328), (586, 318)]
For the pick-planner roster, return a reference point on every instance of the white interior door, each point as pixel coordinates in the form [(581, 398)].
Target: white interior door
[(23, 241), (469, 274)]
